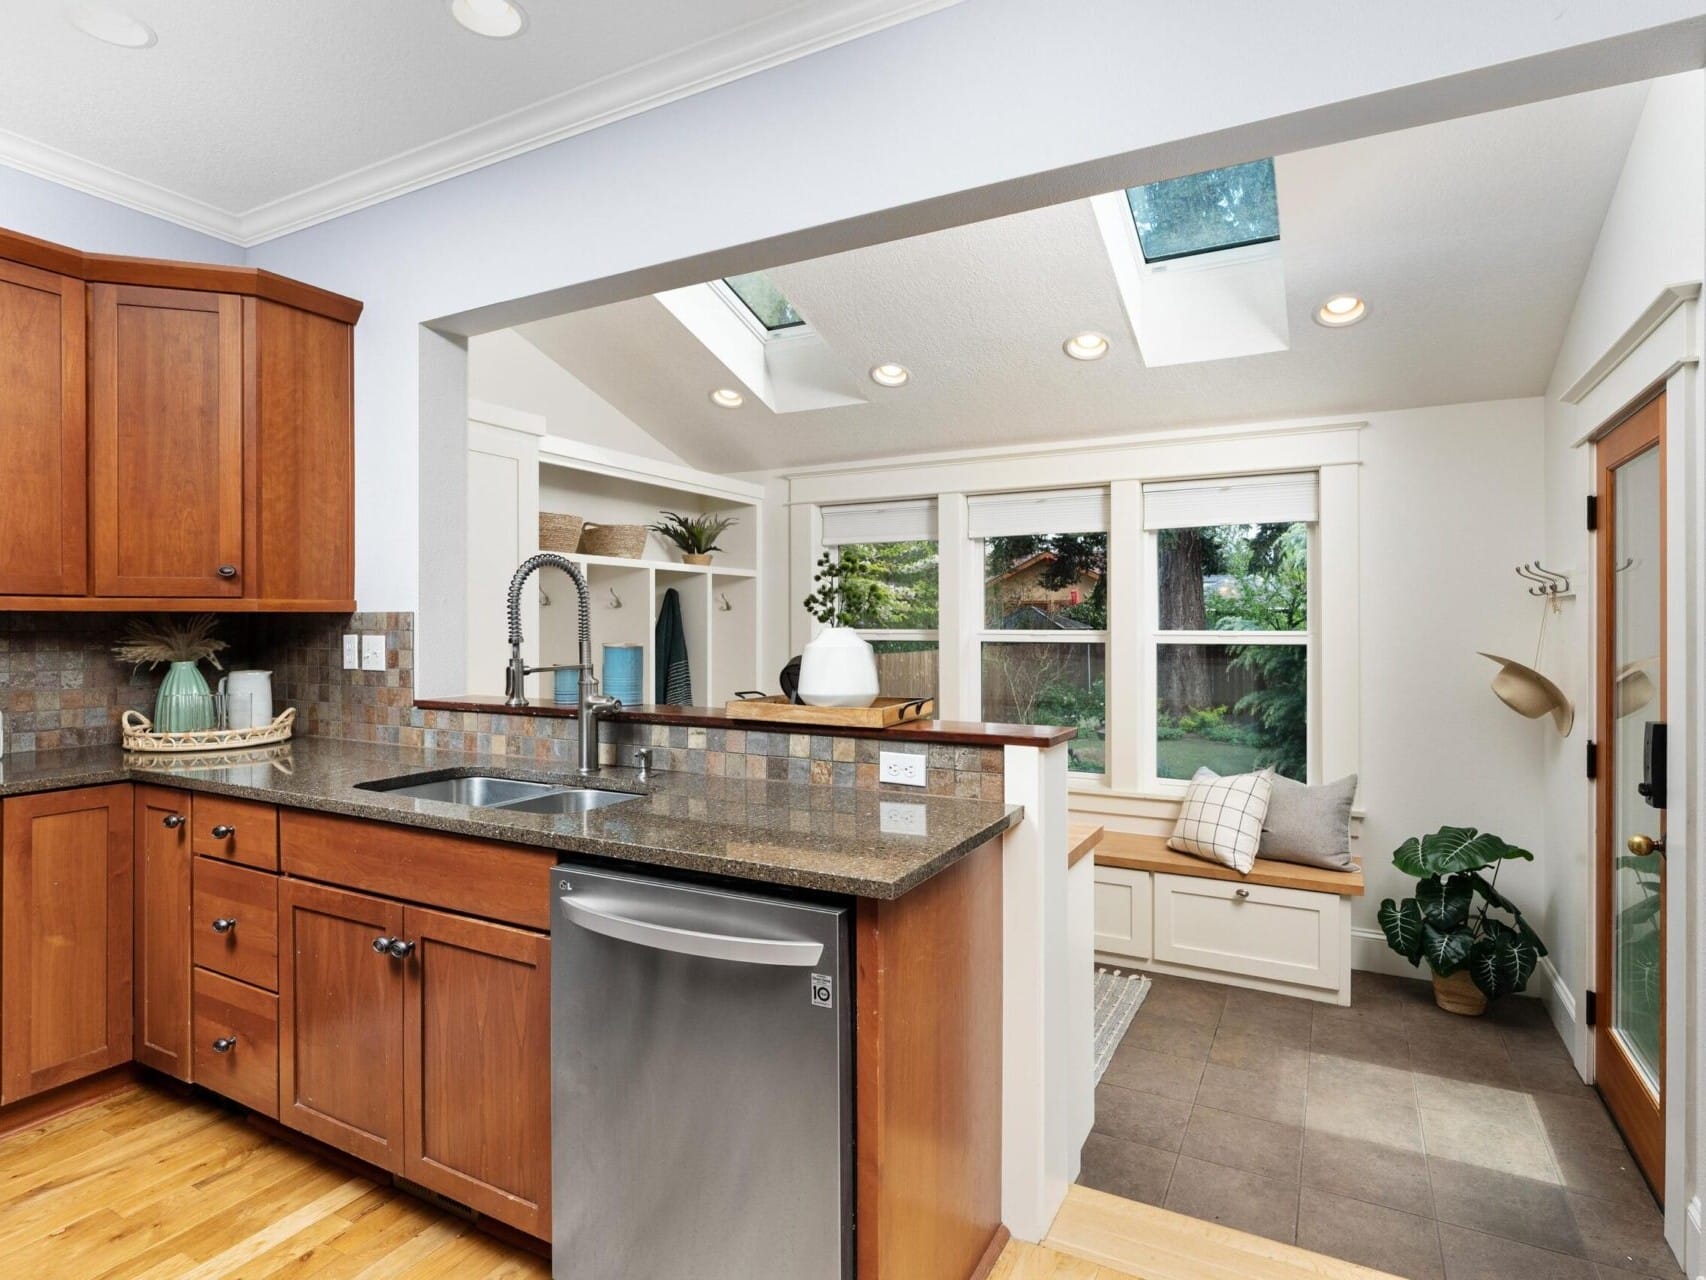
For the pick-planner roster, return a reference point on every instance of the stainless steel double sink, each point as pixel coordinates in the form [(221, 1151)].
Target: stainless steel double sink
[(483, 792)]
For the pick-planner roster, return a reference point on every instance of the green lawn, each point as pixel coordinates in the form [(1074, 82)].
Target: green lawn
[(1087, 753), (1181, 757)]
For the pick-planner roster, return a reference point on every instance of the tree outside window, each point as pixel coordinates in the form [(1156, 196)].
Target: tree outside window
[(1232, 707), (895, 604)]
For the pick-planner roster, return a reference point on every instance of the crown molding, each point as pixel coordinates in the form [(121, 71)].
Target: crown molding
[(718, 61)]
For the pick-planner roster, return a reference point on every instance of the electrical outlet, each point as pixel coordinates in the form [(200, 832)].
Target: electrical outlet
[(903, 767), (373, 652), (352, 653), (902, 818)]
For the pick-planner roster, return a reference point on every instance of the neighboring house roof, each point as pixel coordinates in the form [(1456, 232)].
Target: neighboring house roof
[(1035, 558), (1030, 618)]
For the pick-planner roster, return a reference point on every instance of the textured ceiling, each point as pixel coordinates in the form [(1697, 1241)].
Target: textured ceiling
[(348, 101), (1468, 238)]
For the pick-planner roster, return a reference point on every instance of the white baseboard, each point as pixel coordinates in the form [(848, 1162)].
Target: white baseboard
[(1370, 954), (1694, 1241)]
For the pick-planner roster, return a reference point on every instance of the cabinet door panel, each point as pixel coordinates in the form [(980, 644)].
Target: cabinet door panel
[(477, 1070), (65, 930), (162, 1028), (166, 441), (341, 1010), (43, 524)]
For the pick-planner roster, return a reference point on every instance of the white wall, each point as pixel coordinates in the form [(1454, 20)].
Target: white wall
[(1452, 499), (49, 211), (1654, 235), (505, 368)]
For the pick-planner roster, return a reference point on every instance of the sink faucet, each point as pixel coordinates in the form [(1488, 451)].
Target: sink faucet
[(592, 704)]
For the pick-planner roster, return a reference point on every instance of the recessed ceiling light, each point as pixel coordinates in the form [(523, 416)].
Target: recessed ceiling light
[(1087, 346), (499, 19), (890, 375), (1340, 310), (727, 398), (112, 26)]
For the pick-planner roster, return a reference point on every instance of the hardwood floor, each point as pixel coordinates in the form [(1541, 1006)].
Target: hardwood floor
[(151, 1184)]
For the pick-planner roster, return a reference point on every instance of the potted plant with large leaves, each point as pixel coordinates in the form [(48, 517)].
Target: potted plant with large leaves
[(1475, 956)]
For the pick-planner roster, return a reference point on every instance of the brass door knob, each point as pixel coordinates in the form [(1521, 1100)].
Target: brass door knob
[(1645, 846)]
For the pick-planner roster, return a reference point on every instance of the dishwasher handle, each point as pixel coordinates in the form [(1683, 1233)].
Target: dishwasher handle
[(690, 942)]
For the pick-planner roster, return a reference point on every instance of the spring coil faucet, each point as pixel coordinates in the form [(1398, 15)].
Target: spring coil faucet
[(515, 679)]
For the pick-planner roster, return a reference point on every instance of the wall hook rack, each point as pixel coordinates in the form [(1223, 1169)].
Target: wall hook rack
[(1548, 584)]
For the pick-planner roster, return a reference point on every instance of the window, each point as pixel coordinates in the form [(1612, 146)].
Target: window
[(761, 297), (1205, 212), (897, 606), (1043, 656), (1231, 629)]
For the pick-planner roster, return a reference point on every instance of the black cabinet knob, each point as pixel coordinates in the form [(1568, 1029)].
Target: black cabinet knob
[(172, 821), (224, 924), (383, 945), (225, 1044), (227, 571), (224, 832), (399, 949)]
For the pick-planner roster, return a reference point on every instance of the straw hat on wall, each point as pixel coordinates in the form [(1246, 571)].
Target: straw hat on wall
[(1528, 693)]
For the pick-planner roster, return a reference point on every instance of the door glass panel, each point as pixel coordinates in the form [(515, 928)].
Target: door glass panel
[(1635, 885)]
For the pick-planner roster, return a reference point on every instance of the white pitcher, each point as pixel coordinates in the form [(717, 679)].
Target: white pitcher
[(250, 694)]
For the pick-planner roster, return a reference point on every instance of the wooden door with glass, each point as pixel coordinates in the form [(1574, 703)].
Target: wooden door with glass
[(1630, 848)]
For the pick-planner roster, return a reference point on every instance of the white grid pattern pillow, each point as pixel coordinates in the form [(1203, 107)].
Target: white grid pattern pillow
[(1221, 819)]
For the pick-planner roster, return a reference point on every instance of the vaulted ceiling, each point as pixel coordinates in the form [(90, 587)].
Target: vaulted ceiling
[(1469, 239), (249, 118)]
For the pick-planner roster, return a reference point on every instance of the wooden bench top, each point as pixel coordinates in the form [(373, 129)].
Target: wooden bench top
[(1150, 853), (1081, 838)]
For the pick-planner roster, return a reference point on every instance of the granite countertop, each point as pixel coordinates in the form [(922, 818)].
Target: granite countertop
[(784, 833)]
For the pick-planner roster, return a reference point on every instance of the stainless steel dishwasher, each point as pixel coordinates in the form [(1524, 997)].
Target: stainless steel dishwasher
[(701, 1067)]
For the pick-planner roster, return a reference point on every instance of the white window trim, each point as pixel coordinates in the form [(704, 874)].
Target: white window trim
[(1329, 447)]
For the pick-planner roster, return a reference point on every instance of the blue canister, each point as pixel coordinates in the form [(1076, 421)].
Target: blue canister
[(566, 686), (624, 672)]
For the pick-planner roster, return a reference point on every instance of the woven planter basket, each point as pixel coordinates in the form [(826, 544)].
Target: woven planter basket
[(559, 532), (625, 540), (1459, 994)]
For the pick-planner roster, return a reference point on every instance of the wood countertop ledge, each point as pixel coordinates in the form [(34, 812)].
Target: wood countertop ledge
[(952, 733)]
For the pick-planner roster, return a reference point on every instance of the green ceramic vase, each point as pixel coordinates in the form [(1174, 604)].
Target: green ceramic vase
[(184, 704)]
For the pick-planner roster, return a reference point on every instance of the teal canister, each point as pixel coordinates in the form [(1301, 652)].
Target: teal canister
[(184, 703), (624, 672)]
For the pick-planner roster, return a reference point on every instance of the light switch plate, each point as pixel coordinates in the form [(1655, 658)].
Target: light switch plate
[(903, 767), (373, 652), (352, 653), (903, 818)]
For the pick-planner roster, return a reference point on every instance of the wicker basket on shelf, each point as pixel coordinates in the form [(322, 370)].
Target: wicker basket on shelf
[(628, 541), (559, 532)]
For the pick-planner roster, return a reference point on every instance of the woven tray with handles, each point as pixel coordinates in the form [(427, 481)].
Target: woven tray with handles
[(139, 735)]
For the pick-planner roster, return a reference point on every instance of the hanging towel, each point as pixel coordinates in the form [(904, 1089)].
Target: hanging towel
[(674, 676)]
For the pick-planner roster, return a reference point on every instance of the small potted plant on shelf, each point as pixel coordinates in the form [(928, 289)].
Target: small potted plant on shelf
[(838, 667), (184, 703), (1475, 956), (695, 536)]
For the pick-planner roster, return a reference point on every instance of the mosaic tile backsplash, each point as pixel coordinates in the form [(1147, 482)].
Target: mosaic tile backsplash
[(61, 687)]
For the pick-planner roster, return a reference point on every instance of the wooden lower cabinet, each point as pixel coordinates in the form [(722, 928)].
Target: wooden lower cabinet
[(340, 1070), (161, 1032), (476, 1066), (65, 937), (430, 1058)]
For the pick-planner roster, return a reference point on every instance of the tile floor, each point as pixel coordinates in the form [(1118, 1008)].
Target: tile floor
[(1388, 1133)]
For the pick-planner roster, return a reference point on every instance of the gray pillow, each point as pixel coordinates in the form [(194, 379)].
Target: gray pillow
[(1310, 825)]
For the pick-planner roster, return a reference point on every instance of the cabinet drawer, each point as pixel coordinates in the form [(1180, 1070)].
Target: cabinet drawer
[(1284, 935), (503, 882), (248, 948), (244, 831), (1124, 912), (245, 1021)]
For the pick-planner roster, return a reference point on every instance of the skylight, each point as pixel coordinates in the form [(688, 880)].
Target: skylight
[(1205, 212), (765, 301)]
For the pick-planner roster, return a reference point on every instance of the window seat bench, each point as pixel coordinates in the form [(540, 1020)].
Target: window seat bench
[(1283, 928)]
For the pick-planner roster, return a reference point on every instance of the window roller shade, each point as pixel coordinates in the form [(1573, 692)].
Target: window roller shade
[(910, 521), (1008, 515), (1196, 504)]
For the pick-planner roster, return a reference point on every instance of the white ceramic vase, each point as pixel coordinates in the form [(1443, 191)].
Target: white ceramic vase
[(838, 669)]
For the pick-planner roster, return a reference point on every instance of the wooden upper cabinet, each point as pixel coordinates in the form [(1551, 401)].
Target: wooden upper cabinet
[(299, 453), (166, 442), (181, 435), (43, 520), (65, 937)]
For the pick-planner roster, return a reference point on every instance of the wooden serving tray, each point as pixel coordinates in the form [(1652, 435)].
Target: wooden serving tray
[(884, 713)]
